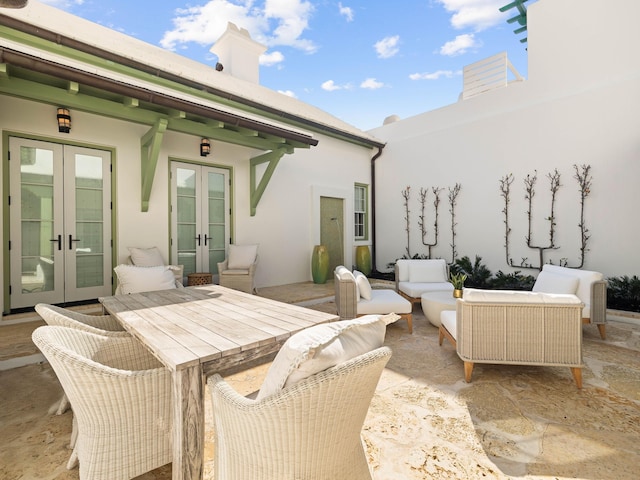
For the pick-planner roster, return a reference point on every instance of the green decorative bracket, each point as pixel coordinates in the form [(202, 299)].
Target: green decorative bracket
[(150, 145), (273, 158)]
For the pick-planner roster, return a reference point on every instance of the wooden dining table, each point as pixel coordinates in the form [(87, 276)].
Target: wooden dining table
[(198, 331)]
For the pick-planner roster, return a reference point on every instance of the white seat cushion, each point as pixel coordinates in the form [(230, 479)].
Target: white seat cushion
[(241, 257), (134, 279), (384, 301), (320, 347), (448, 321), (417, 289), (517, 296)]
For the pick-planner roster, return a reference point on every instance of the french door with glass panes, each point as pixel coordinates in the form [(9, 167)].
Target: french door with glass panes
[(60, 223), (200, 216)]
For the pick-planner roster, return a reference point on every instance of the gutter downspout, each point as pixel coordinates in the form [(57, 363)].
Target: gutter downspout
[(373, 208)]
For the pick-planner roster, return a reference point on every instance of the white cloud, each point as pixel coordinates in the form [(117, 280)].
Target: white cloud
[(331, 86), (278, 22), (273, 58), (431, 76), (288, 93), (387, 47), (476, 14), (371, 84), (459, 45), (346, 12)]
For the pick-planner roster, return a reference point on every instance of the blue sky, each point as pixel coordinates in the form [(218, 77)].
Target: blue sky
[(360, 60)]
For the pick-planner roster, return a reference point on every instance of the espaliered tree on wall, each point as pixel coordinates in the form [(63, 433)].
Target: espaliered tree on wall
[(452, 196), (583, 177), (421, 219)]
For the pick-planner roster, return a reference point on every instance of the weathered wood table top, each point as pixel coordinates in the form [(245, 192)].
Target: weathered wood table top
[(196, 331)]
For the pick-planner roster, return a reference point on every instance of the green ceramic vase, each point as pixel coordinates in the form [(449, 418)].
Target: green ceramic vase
[(320, 264), (363, 259)]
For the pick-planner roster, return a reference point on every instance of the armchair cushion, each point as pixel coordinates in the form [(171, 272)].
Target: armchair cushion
[(146, 257), (550, 282), (133, 279), (241, 257), (319, 347), (427, 271), (364, 287)]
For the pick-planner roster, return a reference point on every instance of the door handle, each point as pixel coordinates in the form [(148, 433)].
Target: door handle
[(206, 238), (59, 240), (198, 238), (71, 240)]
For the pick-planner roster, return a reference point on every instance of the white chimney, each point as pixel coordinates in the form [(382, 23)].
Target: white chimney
[(239, 54)]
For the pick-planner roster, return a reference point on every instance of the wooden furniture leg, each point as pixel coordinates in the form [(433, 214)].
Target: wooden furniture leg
[(468, 370), (577, 375), (188, 424)]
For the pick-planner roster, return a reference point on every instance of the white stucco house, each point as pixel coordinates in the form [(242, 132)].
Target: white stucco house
[(129, 171)]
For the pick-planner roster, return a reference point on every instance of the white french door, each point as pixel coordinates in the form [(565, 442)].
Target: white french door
[(60, 222), (200, 217)]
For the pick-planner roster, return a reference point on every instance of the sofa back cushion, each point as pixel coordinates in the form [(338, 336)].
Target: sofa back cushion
[(320, 347), (550, 282), (422, 271), (585, 279), (517, 296)]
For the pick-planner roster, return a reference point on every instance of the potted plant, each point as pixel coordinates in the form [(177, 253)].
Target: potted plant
[(457, 279)]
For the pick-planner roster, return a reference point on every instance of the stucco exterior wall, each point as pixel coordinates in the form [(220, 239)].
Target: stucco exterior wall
[(554, 120), (286, 224)]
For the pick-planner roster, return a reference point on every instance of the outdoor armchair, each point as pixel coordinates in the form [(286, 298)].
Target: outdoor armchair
[(587, 285), (121, 397), (515, 328), (417, 276), (238, 270), (99, 324), (308, 430), (354, 297)]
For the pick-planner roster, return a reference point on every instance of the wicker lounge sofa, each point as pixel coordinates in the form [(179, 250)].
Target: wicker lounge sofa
[(513, 327), (587, 285), (417, 276)]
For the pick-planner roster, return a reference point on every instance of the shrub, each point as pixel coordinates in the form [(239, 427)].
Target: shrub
[(477, 274), (623, 293), (511, 281)]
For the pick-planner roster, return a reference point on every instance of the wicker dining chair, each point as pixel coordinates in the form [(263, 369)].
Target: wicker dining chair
[(99, 324), (308, 430), (121, 397)]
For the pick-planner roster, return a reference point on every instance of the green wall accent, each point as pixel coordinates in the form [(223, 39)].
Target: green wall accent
[(150, 145), (273, 158)]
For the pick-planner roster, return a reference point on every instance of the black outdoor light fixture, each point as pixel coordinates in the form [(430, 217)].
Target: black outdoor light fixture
[(13, 3), (64, 120), (205, 147)]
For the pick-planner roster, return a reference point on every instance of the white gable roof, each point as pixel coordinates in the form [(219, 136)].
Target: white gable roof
[(90, 33)]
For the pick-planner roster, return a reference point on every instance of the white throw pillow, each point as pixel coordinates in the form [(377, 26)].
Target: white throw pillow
[(146, 257), (241, 257), (362, 282), (427, 271), (555, 283), (320, 347), (134, 279)]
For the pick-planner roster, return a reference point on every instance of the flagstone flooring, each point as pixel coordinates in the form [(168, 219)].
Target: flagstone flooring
[(424, 421)]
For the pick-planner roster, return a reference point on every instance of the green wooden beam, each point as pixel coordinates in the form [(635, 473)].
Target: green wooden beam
[(272, 158), (150, 145)]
